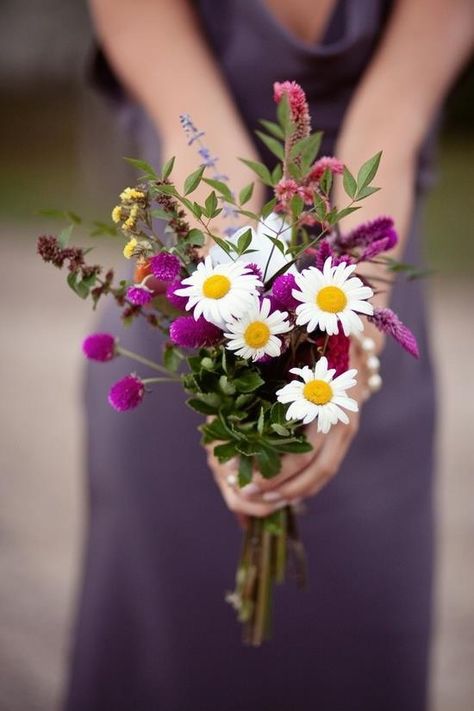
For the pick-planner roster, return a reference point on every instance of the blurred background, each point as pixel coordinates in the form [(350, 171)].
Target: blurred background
[(59, 149)]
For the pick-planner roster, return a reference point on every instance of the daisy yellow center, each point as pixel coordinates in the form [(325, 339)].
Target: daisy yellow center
[(216, 286), (257, 334), (318, 392), (332, 299)]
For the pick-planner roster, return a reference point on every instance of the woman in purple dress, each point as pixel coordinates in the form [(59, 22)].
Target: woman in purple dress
[(153, 631)]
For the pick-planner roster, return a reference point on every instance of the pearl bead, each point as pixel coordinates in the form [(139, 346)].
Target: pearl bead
[(368, 344), (373, 363), (374, 382)]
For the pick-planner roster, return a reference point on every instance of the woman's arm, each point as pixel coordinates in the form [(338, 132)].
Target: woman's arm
[(158, 51), (424, 47)]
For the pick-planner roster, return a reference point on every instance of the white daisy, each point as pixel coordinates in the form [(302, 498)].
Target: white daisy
[(268, 258), (220, 293), (330, 296), (254, 335), (319, 395)]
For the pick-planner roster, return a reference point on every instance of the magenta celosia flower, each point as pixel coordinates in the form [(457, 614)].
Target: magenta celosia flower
[(388, 322), (188, 332), (126, 394), (178, 302), (324, 251), (369, 232), (165, 266), (325, 163), (281, 291), (139, 295), (376, 248), (296, 98), (286, 189), (99, 346)]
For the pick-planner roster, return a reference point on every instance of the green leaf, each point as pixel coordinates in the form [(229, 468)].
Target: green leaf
[(224, 452), (247, 447), (249, 382), (349, 183), (368, 171), (244, 241), (171, 359), (193, 180), (307, 148), (246, 193), (214, 430), (326, 181), (82, 290), (261, 421), (166, 189), (280, 430), (243, 400), (65, 235), (268, 207), (297, 205), (260, 169), (167, 168), (284, 114), (365, 192), (195, 237), (268, 462), (277, 173), (320, 207), (273, 128), (227, 386), (346, 211), (142, 165), (245, 470), (226, 246), (61, 215), (202, 407), (102, 228), (221, 188), (272, 144), (277, 242), (196, 209), (294, 447), (211, 204)]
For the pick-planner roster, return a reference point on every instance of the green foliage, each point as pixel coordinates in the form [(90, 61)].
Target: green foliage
[(193, 180), (246, 193), (144, 167), (260, 169), (273, 144)]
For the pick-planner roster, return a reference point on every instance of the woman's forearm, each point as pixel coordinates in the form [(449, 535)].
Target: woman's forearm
[(424, 47), (158, 51)]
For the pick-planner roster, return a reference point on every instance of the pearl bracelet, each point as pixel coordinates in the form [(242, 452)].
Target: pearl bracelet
[(367, 345)]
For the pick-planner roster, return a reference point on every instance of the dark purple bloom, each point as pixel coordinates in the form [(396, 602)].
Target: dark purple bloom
[(189, 333), (282, 291), (127, 393), (369, 232), (100, 347), (165, 266), (178, 301), (388, 322), (139, 296), (374, 249), (324, 251)]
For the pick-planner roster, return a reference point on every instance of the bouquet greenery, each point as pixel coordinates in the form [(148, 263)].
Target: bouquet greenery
[(258, 320)]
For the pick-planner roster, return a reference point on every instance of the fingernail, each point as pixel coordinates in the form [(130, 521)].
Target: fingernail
[(250, 489), (280, 505), (271, 496)]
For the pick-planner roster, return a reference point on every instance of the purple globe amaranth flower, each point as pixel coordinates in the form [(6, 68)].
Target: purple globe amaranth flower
[(178, 301), (188, 332), (126, 394), (139, 295), (369, 232), (100, 347), (388, 322), (282, 291), (165, 266)]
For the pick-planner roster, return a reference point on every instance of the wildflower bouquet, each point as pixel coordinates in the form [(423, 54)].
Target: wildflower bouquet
[(258, 327)]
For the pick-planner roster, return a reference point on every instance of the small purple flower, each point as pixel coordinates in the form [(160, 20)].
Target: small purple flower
[(189, 333), (388, 322), (374, 249), (254, 269), (165, 266), (282, 291), (139, 295), (369, 232), (100, 347), (126, 394), (178, 301)]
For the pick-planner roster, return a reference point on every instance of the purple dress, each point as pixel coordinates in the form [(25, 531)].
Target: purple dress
[(153, 630)]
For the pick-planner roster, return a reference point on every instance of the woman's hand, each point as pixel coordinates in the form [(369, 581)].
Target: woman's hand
[(302, 475)]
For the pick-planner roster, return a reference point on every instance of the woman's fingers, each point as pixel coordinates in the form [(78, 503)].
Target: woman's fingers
[(314, 477)]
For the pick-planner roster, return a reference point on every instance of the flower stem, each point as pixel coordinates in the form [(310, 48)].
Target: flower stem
[(148, 381), (144, 361)]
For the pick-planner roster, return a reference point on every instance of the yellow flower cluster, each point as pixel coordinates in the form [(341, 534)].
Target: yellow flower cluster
[(132, 195), (129, 248), (132, 201)]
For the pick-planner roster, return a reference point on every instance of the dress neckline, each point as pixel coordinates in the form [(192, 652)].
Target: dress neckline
[(319, 48)]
